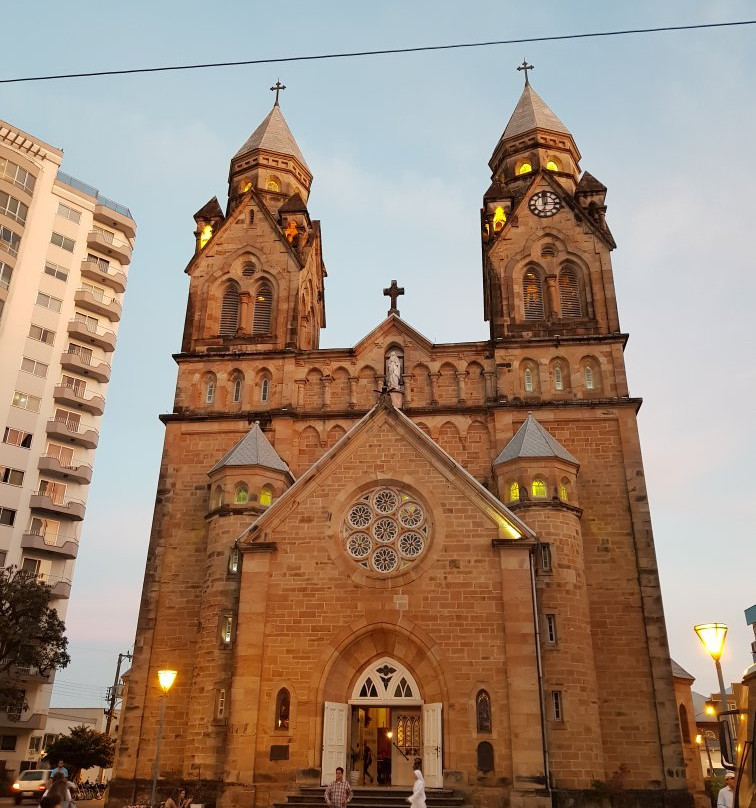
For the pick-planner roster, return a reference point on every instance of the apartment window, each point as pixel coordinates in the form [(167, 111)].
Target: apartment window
[(41, 334), (85, 354), (61, 241), (13, 208), (17, 437), (48, 302), (45, 527), (9, 240), (551, 629), (56, 271), (7, 516), (8, 743), (106, 234), (17, 175), (79, 386), (11, 476), (70, 419), (97, 292), (56, 491), (90, 322), (557, 708), (64, 454), (69, 213), (26, 402), (101, 263), (6, 273), (546, 557), (35, 743), (34, 367)]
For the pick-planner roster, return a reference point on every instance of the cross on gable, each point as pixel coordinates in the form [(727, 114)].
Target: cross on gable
[(277, 87), (393, 292), (524, 66)]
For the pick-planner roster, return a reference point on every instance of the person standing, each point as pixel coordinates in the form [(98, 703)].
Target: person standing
[(417, 799), (726, 794), (367, 762), (59, 769), (339, 792)]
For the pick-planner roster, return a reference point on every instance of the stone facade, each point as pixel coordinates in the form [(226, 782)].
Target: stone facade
[(521, 609)]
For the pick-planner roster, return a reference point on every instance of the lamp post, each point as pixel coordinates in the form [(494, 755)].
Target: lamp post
[(166, 678), (712, 635)]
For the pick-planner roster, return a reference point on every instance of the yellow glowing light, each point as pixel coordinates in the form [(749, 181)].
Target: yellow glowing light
[(525, 168), (246, 187), (166, 679), (499, 218), (699, 739), (552, 166), (709, 709), (206, 235), (712, 635), (266, 496), (273, 184), (514, 492), (390, 734)]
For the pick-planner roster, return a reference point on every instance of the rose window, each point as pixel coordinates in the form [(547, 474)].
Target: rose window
[(386, 530)]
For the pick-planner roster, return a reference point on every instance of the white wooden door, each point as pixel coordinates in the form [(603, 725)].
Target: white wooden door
[(432, 751), (334, 740)]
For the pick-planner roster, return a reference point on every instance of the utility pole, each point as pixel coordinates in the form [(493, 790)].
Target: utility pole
[(114, 692)]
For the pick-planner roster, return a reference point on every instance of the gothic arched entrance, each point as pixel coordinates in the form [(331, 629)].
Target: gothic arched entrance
[(383, 730)]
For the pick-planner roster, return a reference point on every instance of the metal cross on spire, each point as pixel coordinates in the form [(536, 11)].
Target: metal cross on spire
[(393, 292), (524, 66), (277, 87)]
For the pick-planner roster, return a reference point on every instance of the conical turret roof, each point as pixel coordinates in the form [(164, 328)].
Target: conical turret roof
[(532, 440), (273, 134), (254, 449), (532, 112)]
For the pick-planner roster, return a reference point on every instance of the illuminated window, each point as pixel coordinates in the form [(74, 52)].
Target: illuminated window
[(229, 319), (499, 219), (266, 495), (233, 560), (514, 492), (246, 187), (263, 309), (525, 168), (569, 293), (589, 385), (483, 711), (564, 490), (552, 166), (206, 235), (273, 184), (532, 296), (558, 381), (227, 626), (283, 709), (538, 488), (242, 494), (528, 380)]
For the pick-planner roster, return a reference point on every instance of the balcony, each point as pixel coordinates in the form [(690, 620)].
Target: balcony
[(72, 508), (86, 365), (114, 215), (27, 672), (78, 434), (60, 587), (100, 337), (81, 473), (106, 306), (72, 398), (61, 546), (95, 271), (109, 245), (22, 719)]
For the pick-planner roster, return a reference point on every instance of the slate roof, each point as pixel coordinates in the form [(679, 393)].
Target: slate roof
[(273, 134), (254, 449), (294, 204), (532, 440), (680, 673), (532, 112), (210, 210), (589, 183)]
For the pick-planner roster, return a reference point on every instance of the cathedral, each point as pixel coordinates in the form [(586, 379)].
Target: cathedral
[(403, 553)]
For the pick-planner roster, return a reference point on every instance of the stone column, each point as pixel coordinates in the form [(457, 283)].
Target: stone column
[(300, 383), (434, 377), (407, 378), (553, 296), (501, 382), (244, 299), (490, 378), (461, 376), (353, 392), (326, 381)]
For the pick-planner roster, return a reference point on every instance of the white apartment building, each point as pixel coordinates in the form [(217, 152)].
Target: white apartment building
[(64, 256)]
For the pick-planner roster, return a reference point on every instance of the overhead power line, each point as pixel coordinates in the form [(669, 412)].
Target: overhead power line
[(383, 52)]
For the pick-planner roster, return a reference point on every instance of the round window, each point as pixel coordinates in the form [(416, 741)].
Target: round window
[(386, 530)]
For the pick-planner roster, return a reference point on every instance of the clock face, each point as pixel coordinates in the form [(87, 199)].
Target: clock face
[(545, 203)]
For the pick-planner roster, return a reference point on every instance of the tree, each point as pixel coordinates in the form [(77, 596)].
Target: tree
[(31, 633), (81, 748)]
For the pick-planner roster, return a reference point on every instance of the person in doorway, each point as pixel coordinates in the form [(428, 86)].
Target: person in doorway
[(417, 799), (726, 794), (339, 792), (367, 760)]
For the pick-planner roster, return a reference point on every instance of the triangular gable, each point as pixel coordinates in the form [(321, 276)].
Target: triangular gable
[(230, 220), (384, 328), (510, 526)]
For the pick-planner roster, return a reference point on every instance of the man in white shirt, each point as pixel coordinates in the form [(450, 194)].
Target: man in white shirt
[(726, 794)]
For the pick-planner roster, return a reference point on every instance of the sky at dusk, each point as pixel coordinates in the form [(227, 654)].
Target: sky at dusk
[(399, 147)]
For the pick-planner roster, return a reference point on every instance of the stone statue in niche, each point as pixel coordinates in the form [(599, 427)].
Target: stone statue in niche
[(394, 370)]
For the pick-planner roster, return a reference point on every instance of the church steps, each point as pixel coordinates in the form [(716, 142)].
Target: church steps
[(386, 797)]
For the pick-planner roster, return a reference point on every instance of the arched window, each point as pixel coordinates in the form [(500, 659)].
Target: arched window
[(525, 168), (273, 184), (569, 293), (589, 381), (558, 380), (528, 376), (514, 491), (485, 757), (538, 488), (263, 309), (229, 319), (684, 725), (532, 296), (210, 390), (265, 390), (552, 165), (236, 392), (266, 495), (242, 494), (233, 560), (564, 489), (217, 497), (483, 711), (283, 709)]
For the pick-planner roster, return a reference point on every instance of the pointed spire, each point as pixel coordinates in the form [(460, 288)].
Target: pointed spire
[(254, 449), (532, 440), (273, 134), (532, 112)]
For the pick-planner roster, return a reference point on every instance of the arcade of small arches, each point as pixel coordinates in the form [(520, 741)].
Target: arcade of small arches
[(538, 488), (232, 389), (240, 493), (558, 376)]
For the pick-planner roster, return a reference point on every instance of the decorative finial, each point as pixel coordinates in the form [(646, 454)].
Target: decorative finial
[(524, 66), (393, 292), (277, 87)]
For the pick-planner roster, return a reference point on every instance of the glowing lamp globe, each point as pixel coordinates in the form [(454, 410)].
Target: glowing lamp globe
[(166, 679), (712, 635)]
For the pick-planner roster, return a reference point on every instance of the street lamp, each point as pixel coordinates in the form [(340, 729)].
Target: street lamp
[(712, 635), (166, 678)]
